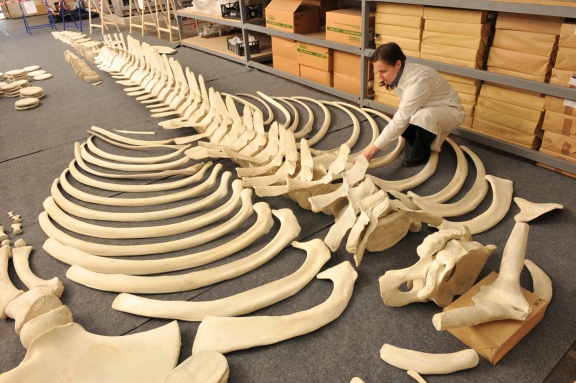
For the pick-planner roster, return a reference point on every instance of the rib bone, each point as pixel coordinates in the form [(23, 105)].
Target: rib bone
[(427, 364)]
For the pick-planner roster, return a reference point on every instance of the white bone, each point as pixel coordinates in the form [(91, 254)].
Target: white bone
[(20, 258), (8, 291), (32, 329), (144, 201), (542, 285), (3, 235), (374, 215), (195, 279), (501, 199), (61, 354), (411, 182), (365, 207), (83, 212), (309, 124), (133, 147), (229, 334), (317, 254), (16, 228), (264, 103), (530, 210), (355, 125), (16, 218), (130, 141), (31, 304), (416, 376), (428, 364), (294, 124), (73, 256), (152, 248), (203, 367), (325, 125)]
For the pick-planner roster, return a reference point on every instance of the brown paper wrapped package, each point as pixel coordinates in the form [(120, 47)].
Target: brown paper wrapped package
[(512, 73), (506, 134), (507, 120), (400, 20), (561, 77), (459, 28), (567, 35), (467, 98), (394, 30), (460, 79), (559, 123), (400, 9), (513, 110), (448, 51), (405, 44), (519, 97), (467, 122), (479, 64), (558, 105), (471, 42), (559, 144), (457, 15), (465, 88), (542, 44), (529, 23), (519, 61), (495, 339), (566, 59)]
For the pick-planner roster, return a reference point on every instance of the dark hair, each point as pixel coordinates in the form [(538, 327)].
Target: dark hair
[(390, 53)]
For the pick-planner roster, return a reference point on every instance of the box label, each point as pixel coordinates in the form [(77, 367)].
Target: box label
[(344, 31), (315, 54), (282, 25)]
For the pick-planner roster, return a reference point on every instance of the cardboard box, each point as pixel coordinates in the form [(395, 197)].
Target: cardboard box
[(519, 62), (495, 339), (284, 48), (529, 23), (566, 59), (316, 75), (503, 133), (350, 64), (345, 26), (507, 120), (562, 77), (460, 79), (323, 7), (521, 97), (292, 16), (511, 109), (400, 9), (560, 105), (560, 144), (347, 83), (400, 20), (465, 88), (471, 42), (559, 123), (447, 51), (467, 98), (479, 64), (315, 56), (567, 35), (458, 15), (459, 28), (405, 44), (396, 31), (285, 65), (542, 44), (513, 73), (387, 99)]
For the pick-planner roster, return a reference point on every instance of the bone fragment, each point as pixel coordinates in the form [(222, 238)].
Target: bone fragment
[(530, 210), (134, 132), (203, 367), (428, 364), (31, 304), (230, 334), (20, 257), (7, 290), (16, 218), (33, 328), (317, 254), (416, 376), (3, 235), (16, 228)]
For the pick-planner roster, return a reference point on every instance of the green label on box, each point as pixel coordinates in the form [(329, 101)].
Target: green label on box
[(307, 52), (344, 31), (282, 25)]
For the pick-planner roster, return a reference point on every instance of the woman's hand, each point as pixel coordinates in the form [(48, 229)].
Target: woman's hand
[(370, 152)]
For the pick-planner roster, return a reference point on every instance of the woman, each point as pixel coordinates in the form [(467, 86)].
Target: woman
[(429, 107)]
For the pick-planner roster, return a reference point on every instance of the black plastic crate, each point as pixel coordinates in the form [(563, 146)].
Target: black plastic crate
[(239, 48), (232, 11)]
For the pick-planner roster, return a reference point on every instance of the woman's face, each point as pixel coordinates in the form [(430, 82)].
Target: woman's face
[(387, 73)]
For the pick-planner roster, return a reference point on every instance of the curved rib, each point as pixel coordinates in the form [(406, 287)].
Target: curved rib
[(238, 197), (390, 157), (133, 160), (83, 212), (542, 285), (296, 121), (130, 141), (457, 181), (74, 172), (371, 121), (73, 256), (86, 156), (174, 283), (325, 125), (317, 254), (308, 127), (230, 334), (132, 147), (467, 203), (268, 109), (428, 364), (410, 182), (20, 257), (501, 199), (153, 248), (355, 131), (146, 201)]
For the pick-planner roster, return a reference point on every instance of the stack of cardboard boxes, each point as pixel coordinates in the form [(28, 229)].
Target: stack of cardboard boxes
[(401, 24), (524, 46), (468, 89), (457, 36), (511, 115), (559, 124)]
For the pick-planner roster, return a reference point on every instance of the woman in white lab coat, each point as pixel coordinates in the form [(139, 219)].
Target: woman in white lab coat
[(429, 107)]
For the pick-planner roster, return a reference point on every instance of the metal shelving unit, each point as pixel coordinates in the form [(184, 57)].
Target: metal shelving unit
[(545, 8)]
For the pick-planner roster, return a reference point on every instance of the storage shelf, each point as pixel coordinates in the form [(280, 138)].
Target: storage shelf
[(219, 46), (217, 19)]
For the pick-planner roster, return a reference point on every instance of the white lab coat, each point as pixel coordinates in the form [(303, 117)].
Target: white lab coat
[(426, 100)]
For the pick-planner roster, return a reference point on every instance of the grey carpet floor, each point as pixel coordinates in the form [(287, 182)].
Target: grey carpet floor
[(38, 144)]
